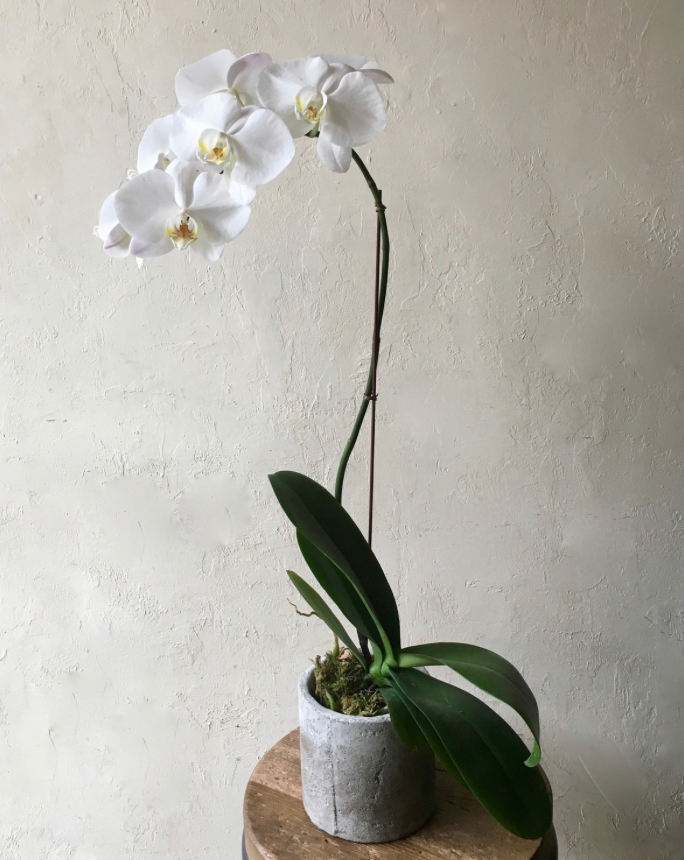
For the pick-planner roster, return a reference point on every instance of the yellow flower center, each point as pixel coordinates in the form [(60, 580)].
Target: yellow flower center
[(213, 147), (309, 105), (182, 229)]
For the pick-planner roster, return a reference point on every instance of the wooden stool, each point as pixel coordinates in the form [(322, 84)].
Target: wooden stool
[(277, 828)]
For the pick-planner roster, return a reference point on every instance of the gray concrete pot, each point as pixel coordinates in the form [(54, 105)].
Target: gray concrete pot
[(359, 782)]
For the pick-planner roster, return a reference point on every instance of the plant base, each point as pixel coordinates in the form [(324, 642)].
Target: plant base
[(359, 782)]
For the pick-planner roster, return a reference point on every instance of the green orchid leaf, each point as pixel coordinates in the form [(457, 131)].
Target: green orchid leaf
[(428, 732), (484, 749), (339, 589), (323, 521), (407, 729), (486, 670), (325, 613)]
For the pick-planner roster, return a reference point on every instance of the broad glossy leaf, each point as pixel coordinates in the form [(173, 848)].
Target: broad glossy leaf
[(408, 731), (486, 751), (339, 589), (487, 671), (429, 733), (324, 522), (325, 613)]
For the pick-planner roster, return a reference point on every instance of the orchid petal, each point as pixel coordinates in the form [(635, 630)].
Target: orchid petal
[(185, 172), (144, 250), (358, 63), (206, 76), (263, 149), (243, 76), (375, 73), (221, 218), (155, 147), (144, 205), (355, 112), (335, 158), (353, 60), (210, 251), (335, 74), (245, 114), (280, 83), (117, 242), (108, 217), (241, 193)]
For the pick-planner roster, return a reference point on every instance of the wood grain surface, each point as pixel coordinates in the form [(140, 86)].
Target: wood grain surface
[(277, 827)]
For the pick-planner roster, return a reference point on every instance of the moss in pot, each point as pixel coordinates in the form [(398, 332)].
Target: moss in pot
[(342, 684)]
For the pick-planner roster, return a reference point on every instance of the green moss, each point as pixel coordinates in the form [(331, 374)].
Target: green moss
[(343, 685)]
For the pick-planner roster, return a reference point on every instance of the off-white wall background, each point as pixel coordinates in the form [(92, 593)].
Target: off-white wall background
[(531, 442)]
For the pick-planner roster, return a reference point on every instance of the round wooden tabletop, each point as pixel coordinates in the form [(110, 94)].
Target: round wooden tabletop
[(277, 827)]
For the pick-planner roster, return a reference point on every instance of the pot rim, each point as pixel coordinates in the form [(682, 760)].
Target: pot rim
[(305, 683)]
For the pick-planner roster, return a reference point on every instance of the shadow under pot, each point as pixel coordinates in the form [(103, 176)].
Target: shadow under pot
[(359, 781)]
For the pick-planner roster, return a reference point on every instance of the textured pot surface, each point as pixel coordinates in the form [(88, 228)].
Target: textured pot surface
[(359, 782)]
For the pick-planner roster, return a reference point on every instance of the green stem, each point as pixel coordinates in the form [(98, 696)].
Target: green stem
[(375, 352), (363, 408)]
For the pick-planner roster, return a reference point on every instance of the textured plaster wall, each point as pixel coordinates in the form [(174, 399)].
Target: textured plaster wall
[(531, 443)]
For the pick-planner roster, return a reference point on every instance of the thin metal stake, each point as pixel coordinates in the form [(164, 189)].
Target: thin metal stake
[(374, 388)]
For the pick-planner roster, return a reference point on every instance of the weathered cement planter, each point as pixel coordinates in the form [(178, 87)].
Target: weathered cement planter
[(359, 782)]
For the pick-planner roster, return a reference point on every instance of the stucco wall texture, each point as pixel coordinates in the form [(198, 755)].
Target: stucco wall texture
[(531, 452)]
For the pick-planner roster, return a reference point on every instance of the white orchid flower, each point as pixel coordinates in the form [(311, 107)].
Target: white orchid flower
[(222, 72), (115, 240), (155, 150), (249, 145), (183, 207), (339, 104)]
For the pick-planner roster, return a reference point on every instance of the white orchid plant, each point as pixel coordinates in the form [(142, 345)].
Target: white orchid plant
[(198, 173)]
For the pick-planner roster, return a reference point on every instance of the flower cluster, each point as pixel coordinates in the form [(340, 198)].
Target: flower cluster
[(199, 168)]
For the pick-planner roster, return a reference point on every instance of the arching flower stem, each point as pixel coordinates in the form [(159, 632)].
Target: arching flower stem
[(370, 390), (384, 271)]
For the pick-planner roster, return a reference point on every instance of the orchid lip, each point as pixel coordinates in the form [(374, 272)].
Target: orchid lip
[(214, 147), (182, 229), (310, 105)]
